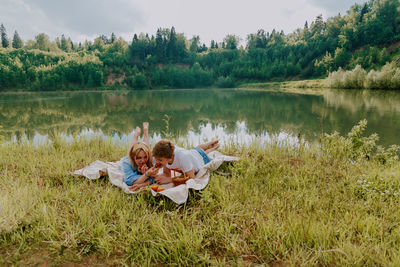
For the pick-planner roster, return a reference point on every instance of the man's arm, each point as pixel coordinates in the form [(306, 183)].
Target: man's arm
[(190, 174), (164, 178)]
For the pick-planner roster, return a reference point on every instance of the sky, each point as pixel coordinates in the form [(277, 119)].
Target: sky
[(210, 19)]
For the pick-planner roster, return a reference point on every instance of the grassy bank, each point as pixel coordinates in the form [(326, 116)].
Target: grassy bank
[(387, 78), (332, 205), (314, 87)]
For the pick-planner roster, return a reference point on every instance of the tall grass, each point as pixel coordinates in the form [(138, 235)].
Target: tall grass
[(333, 204), (386, 78)]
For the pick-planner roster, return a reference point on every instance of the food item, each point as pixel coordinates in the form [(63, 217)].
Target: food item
[(158, 165), (154, 188)]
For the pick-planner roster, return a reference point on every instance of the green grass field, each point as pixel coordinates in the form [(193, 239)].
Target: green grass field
[(336, 203)]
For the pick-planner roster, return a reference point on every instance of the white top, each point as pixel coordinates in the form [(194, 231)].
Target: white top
[(186, 160)]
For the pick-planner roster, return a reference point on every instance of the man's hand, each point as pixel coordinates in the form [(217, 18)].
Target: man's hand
[(163, 179)]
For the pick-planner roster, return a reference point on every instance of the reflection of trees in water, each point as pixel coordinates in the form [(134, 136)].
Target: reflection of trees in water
[(380, 108), (113, 112), (383, 102)]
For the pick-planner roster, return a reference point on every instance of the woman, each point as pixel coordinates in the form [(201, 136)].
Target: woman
[(137, 166)]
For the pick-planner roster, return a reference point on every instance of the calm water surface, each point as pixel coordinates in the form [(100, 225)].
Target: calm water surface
[(230, 115)]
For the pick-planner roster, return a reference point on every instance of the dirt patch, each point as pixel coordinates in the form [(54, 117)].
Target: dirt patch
[(44, 259), (113, 78), (181, 65), (393, 48)]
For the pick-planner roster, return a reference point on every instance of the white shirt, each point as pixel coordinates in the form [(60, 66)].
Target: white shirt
[(186, 160)]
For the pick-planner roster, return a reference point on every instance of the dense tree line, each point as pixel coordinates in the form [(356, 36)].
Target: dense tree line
[(367, 36)]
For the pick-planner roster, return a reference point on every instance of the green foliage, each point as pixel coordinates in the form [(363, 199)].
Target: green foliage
[(356, 147), (42, 43), (231, 41), (3, 34), (182, 77), (356, 39), (225, 82), (386, 78), (139, 82), (353, 79), (40, 70), (17, 41)]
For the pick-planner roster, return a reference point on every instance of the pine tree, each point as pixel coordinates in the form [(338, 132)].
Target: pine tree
[(160, 48), (64, 43), (4, 40), (171, 45), (194, 45), (212, 45), (17, 41)]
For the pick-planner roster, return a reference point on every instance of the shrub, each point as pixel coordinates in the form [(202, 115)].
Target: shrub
[(140, 82), (356, 147), (381, 79), (225, 82), (387, 78), (355, 78)]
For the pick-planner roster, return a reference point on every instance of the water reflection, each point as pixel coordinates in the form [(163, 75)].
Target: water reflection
[(239, 115)]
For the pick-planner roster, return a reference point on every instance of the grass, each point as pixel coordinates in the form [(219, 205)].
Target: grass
[(278, 206), (313, 87)]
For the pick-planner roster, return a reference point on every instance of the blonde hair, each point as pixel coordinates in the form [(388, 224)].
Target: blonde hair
[(164, 149), (135, 149)]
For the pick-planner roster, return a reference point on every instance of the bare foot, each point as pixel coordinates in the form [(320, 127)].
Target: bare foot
[(213, 145), (145, 126), (146, 138), (138, 132)]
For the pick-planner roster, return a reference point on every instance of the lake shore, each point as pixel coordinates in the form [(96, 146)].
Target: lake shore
[(309, 87), (327, 205), (283, 85)]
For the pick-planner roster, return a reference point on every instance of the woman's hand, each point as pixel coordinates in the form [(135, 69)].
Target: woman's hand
[(152, 171), (143, 169), (135, 187)]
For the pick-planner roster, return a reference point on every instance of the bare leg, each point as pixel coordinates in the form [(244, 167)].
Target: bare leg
[(135, 138), (210, 145), (210, 149), (146, 138)]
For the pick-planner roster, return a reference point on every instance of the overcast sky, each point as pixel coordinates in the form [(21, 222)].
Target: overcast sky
[(210, 19)]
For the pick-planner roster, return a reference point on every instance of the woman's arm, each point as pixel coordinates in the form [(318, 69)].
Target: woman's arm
[(136, 186), (141, 179), (146, 174)]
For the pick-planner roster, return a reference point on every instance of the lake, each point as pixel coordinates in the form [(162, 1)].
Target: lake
[(229, 114)]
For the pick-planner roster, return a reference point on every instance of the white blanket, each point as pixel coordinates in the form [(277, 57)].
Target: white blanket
[(178, 194)]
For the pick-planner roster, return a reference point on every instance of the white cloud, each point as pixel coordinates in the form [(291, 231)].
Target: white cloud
[(78, 19), (211, 19), (215, 19)]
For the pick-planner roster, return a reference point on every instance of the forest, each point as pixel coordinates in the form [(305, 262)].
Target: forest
[(367, 35)]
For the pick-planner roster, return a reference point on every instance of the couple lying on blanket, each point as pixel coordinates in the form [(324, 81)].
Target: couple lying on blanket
[(138, 167)]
